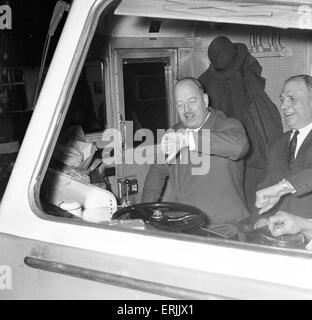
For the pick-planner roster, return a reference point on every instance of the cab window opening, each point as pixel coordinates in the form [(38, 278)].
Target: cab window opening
[(85, 182), (87, 107)]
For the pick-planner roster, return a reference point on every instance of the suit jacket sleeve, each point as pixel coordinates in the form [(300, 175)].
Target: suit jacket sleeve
[(227, 139), (154, 182), (301, 181)]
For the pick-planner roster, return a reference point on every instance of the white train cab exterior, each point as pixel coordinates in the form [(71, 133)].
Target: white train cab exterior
[(45, 256)]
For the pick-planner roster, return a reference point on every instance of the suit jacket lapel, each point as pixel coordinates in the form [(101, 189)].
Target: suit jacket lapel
[(281, 155), (284, 147), (184, 168), (176, 168)]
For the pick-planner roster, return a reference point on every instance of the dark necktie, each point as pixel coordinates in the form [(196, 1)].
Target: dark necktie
[(292, 149)]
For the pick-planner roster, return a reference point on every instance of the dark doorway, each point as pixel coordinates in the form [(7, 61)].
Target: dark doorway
[(145, 94)]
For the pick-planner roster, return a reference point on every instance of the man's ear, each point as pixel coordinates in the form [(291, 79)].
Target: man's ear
[(206, 99)]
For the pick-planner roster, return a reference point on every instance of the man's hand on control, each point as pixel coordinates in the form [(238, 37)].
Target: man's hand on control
[(285, 223), (172, 143), (268, 197)]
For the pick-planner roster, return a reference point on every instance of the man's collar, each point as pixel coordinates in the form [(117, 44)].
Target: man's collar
[(197, 129), (304, 130)]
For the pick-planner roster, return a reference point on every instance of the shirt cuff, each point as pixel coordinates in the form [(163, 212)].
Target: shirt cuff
[(289, 186), (309, 246)]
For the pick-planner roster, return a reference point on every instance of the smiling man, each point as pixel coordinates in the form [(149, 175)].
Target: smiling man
[(202, 131), (288, 182)]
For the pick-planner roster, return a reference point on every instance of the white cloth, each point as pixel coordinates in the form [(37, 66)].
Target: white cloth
[(190, 135), (303, 133)]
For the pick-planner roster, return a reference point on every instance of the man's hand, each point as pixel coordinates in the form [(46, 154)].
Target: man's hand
[(268, 197), (286, 223), (172, 143)]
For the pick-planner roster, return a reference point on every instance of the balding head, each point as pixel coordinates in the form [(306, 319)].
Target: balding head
[(306, 79), (190, 81), (296, 98)]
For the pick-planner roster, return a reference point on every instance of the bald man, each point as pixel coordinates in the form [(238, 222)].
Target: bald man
[(215, 139)]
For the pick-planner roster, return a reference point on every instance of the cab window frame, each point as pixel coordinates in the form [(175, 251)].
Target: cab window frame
[(53, 133)]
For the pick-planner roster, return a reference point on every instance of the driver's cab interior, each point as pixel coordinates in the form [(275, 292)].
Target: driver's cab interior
[(126, 83)]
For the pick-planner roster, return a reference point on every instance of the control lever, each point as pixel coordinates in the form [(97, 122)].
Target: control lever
[(127, 186), (127, 202)]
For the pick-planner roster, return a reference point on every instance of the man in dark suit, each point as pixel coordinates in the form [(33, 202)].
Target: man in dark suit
[(288, 183), (219, 141)]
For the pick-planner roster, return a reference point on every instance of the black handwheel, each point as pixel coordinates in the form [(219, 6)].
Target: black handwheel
[(172, 216)]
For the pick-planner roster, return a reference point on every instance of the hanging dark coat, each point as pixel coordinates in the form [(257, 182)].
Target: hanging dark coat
[(240, 94)]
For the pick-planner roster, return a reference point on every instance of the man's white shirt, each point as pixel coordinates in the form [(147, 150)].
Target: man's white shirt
[(303, 133)]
